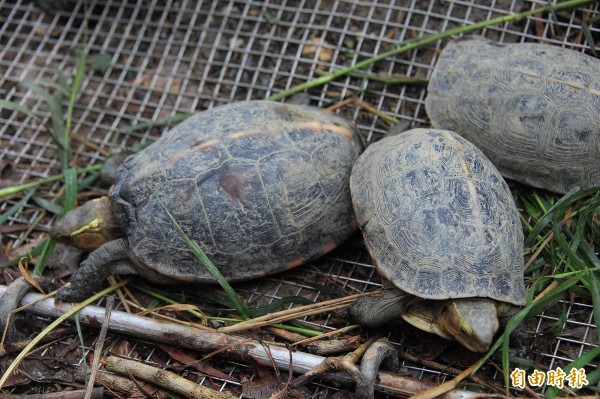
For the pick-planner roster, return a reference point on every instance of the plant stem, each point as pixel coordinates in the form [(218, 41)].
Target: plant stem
[(425, 40), (17, 189)]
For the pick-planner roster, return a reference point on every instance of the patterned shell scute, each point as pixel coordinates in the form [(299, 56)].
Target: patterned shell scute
[(438, 219), (533, 109), (260, 186)]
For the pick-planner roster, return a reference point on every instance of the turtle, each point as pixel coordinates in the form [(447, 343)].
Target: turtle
[(260, 186), (533, 109), (444, 234)]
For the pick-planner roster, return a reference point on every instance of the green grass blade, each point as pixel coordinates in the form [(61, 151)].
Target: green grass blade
[(45, 254), (594, 284), (71, 191), (593, 377), (212, 269), (27, 258), (578, 363), (568, 198), (19, 108), (587, 33), (166, 299), (56, 113), (158, 122), (70, 197), (15, 208), (278, 304), (424, 41), (521, 315), (299, 330), (514, 322), (22, 187), (77, 83), (48, 205)]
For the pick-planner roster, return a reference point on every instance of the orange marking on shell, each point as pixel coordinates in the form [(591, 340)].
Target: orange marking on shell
[(328, 247), (321, 127), (340, 130), (242, 133), (313, 126), (295, 263), (207, 143)]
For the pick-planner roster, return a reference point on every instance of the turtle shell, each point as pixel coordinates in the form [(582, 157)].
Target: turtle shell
[(440, 222), (260, 186), (533, 109)]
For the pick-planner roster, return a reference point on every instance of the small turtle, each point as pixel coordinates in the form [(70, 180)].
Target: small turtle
[(260, 186), (444, 233), (533, 109)]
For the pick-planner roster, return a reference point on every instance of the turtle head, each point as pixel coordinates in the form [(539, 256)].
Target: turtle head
[(88, 226), (472, 322)]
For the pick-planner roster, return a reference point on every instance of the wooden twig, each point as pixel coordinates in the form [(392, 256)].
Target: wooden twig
[(97, 393), (163, 378), (294, 313), (449, 370), (112, 382), (347, 363), (450, 385), (240, 348), (110, 303)]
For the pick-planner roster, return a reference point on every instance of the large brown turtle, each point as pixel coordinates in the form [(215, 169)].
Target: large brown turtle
[(260, 186), (533, 109), (444, 233)]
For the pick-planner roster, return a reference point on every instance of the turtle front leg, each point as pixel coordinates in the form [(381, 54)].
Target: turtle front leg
[(111, 257)]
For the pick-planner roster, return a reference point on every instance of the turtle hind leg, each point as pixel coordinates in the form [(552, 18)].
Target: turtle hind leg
[(111, 257), (375, 311)]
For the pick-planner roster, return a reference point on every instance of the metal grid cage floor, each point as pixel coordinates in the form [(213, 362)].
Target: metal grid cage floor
[(172, 57)]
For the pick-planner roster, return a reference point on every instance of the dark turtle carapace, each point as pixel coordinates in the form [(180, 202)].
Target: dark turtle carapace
[(260, 186)]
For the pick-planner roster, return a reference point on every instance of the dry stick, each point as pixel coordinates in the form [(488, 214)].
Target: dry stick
[(355, 101), (250, 351), (449, 385), (110, 304), (65, 313), (294, 313), (449, 370), (329, 334), (537, 251), (50, 339), (163, 378), (347, 363), (97, 393), (112, 382)]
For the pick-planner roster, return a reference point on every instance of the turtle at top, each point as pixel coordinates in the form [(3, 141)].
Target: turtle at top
[(444, 234), (260, 186), (533, 109)]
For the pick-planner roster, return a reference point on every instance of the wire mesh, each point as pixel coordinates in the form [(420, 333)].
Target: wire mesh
[(179, 56)]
